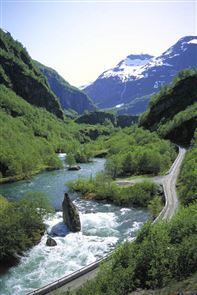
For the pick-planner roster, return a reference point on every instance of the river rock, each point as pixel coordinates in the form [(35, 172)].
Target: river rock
[(51, 242), (70, 214), (74, 168)]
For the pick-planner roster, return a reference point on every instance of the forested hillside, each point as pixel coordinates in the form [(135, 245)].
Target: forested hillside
[(19, 73), (69, 96), (31, 137), (164, 254), (173, 111)]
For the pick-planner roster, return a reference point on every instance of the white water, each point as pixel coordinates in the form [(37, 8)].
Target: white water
[(103, 227)]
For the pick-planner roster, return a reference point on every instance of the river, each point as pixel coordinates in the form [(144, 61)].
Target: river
[(103, 227)]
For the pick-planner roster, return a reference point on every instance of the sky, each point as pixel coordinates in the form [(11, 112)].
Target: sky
[(81, 39)]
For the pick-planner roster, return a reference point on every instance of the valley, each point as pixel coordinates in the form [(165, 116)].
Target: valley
[(104, 226), (122, 169)]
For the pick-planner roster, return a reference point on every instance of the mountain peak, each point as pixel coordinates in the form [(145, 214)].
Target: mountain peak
[(181, 45), (134, 79), (129, 68)]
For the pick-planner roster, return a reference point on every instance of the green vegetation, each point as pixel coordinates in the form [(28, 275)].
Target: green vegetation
[(31, 136), (164, 253), (186, 286), (83, 154), (161, 253), (187, 184), (96, 117), (130, 151), (107, 119), (134, 151), (173, 111), (103, 188), (19, 73), (21, 224), (70, 160), (155, 206)]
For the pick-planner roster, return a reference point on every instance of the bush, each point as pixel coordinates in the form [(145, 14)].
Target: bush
[(187, 182), (134, 151), (103, 188), (21, 223)]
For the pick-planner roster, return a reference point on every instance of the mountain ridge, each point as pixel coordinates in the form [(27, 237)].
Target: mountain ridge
[(108, 90), (70, 97), (19, 73)]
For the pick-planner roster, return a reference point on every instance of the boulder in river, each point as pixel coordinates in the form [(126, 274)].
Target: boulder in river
[(51, 242), (74, 168), (70, 214)]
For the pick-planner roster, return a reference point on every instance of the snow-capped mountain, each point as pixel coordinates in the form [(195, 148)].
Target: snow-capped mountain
[(141, 75), (129, 68)]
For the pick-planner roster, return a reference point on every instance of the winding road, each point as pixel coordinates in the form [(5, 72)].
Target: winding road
[(77, 279), (168, 182)]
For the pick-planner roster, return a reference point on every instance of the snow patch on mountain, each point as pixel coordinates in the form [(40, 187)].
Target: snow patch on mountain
[(194, 41), (129, 69), (84, 86), (119, 105), (157, 62)]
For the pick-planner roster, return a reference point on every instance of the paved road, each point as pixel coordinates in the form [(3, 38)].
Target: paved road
[(76, 283), (169, 184)]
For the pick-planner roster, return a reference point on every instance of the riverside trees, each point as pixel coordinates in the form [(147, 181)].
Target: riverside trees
[(21, 224)]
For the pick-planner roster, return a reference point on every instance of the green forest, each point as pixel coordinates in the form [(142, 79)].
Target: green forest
[(21, 225), (31, 137)]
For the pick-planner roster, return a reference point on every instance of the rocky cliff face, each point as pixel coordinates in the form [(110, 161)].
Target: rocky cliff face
[(173, 111), (18, 72), (70, 214)]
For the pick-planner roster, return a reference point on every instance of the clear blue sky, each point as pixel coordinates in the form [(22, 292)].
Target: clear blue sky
[(81, 40)]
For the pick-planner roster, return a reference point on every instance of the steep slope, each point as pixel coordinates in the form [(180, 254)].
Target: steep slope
[(134, 107), (173, 111), (19, 73), (30, 137), (69, 97), (142, 75)]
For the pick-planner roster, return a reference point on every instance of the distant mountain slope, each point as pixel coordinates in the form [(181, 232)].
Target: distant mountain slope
[(19, 73), (70, 97), (141, 75), (173, 111), (134, 107), (106, 118)]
